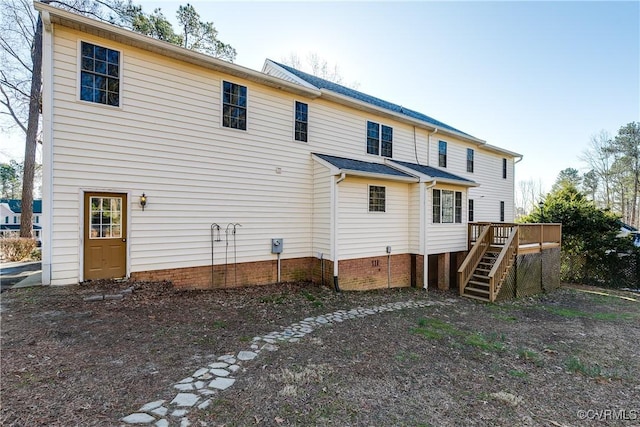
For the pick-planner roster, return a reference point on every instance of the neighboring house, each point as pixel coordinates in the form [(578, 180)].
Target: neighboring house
[(629, 230), (363, 193), (10, 213)]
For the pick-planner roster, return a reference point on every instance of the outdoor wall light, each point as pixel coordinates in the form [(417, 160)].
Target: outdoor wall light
[(143, 201)]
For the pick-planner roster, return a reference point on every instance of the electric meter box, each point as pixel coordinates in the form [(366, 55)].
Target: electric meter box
[(276, 246)]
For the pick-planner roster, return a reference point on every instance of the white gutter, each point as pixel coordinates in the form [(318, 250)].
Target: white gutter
[(130, 38), (47, 147), (334, 228)]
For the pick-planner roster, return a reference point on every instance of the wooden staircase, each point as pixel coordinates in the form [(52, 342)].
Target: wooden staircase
[(479, 285), (490, 259)]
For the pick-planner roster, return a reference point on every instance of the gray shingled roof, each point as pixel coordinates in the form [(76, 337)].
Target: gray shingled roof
[(434, 172), (360, 166), (352, 93), (16, 205)]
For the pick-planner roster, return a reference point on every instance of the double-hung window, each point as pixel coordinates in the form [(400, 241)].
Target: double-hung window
[(234, 106), (377, 198), (301, 121), (379, 139), (470, 160), (471, 210), (99, 74), (501, 211), (442, 154), (447, 206), (504, 168)]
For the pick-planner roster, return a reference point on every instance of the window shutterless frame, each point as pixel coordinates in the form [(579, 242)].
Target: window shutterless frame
[(379, 139), (377, 198), (442, 154), (300, 121), (234, 106), (120, 70)]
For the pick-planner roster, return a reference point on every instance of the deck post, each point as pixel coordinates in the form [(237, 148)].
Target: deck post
[(444, 261)]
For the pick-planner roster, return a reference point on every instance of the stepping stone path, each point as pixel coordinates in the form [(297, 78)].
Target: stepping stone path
[(195, 391)]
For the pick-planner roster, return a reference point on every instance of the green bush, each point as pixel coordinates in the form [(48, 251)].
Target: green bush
[(17, 248)]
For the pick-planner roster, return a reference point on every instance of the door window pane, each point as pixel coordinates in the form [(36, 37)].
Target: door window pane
[(106, 218)]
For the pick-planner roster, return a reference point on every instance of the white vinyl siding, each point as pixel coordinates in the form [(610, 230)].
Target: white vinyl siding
[(445, 237), (165, 140), (322, 182), (414, 217), (361, 234)]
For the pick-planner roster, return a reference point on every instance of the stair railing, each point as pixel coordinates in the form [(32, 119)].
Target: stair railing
[(471, 261), (503, 263)]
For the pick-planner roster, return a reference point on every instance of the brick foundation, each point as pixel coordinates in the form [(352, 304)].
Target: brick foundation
[(372, 273), (237, 275), (354, 274)]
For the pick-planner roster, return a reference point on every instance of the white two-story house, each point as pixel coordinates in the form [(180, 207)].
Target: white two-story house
[(162, 163)]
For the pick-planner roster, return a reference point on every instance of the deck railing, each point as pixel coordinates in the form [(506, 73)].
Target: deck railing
[(483, 241)]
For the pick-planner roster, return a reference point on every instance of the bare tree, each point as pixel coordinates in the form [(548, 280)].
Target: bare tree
[(528, 194), (600, 160), (316, 65)]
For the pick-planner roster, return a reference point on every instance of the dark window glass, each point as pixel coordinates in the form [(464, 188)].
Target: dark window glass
[(458, 208), (234, 106), (470, 210), (386, 145), (504, 168), (99, 74), (373, 138), (436, 206), (377, 198), (469, 160), (501, 211), (301, 121), (442, 154)]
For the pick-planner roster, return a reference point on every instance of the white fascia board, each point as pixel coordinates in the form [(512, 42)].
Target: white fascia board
[(501, 151), (428, 178), (130, 38), (385, 177)]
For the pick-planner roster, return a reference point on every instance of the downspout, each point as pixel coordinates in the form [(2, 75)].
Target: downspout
[(47, 146), (425, 261), (435, 130), (342, 177)]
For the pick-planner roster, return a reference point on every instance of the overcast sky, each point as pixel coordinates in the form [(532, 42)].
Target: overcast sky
[(537, 78)]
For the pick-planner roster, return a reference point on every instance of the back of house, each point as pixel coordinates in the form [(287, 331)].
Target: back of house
[(248, 177)]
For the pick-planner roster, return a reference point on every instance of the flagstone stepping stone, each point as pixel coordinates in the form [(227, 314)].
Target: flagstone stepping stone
[(152, 405), (221, 383), (138, 418), (185, 399)]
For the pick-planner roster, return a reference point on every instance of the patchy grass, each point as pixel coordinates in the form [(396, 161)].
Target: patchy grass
[(575, 313)]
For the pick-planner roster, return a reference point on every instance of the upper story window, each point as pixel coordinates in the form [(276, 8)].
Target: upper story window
[(234, 105), (377, 198), (501, 211), (301, 121), (471, 210), (379, 139), (442, 154), (37, 219), (15, 219), (470, 160), (504, 168), (100, 75), (6, 220), (447, 206)]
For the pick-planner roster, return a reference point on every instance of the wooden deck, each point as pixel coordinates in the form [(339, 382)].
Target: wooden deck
[(493, 251), (532, 238)]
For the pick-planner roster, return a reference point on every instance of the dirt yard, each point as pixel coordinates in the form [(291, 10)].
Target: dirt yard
[(570, 358)]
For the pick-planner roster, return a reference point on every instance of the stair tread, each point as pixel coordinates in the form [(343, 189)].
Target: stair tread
[(475, 282), (476, 297), (482, 291)]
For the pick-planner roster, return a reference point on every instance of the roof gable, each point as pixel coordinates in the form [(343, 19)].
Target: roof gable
[(351, 165), (16, 205)]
